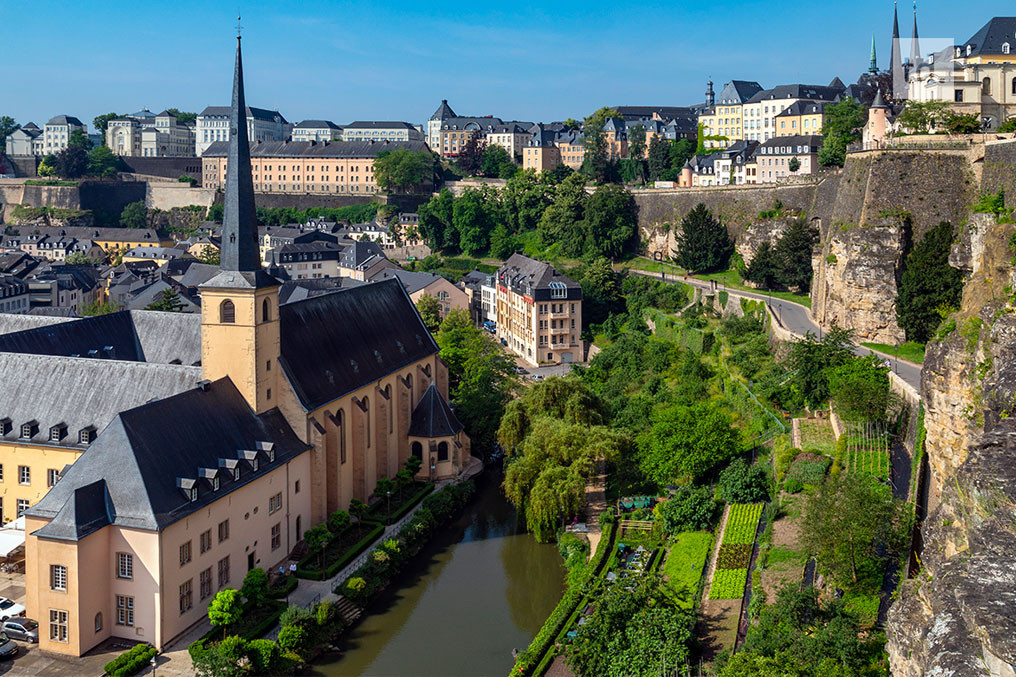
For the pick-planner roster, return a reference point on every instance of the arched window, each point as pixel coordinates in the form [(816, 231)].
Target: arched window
[(418, 450), (227, 312), (986, 86), (266, 311), (442, 451), (391, 408), (339, 424), (98, 622), (366, 412)]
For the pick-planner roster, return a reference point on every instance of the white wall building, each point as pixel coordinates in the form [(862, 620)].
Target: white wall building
[(262, 125)]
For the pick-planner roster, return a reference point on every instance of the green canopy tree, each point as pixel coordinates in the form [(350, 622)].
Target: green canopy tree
[(168, 302), (927, 284), (703, 245), (611, 222), (134, 215), (436, 220), (659, 157), (71, 162), (687, 442), (402, 170), (809, 358), (562, 221), (102, 162), (430, 311), (526, 195), (764, 269), (7, 127), (493, 157), (860, 389), (225, 609), (847, 520), (793, 251), (842, 126)]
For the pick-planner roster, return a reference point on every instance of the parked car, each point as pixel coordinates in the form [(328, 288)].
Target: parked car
[(521, 370), (8, 649), (537, 377), (25, 629), (9, 608)]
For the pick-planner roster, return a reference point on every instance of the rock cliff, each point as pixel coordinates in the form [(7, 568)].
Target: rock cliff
[(958, 615)]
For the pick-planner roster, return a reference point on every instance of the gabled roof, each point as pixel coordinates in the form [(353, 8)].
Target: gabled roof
[(412, 281), (737, 92), (433, 417), (529, 276), (292, 291), (804, 108), (350, 149), (989, 40), (317, 124), (813, 92), (137, 336), (665, 112), (359, 252), (252, 112), (379, 124), (336, 343), (79, 392), (151, 448)]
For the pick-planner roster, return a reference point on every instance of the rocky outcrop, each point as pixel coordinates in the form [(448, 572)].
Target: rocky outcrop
[(856, 284), (958, 615), (757, 232)]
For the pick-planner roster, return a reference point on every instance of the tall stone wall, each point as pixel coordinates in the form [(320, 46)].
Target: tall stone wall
[(169, 195), (1000, 170)]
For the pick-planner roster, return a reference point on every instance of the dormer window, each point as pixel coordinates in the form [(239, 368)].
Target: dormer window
[(28, 429), (57, 432), (5, 425), (271, 455), (236, 473), (193, 494), (254, 464)]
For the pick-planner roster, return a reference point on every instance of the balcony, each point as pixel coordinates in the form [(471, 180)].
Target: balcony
[(561, 330), (559, 316)]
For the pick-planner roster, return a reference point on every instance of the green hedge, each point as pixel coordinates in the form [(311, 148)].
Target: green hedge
[(131, 662), (266, 624), (305, 568), (377, 511), (530, 660), (289, 584)]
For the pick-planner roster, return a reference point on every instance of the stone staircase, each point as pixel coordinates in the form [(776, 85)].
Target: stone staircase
[(347, 610)]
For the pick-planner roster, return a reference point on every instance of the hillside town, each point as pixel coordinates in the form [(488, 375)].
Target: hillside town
[(275, 393)]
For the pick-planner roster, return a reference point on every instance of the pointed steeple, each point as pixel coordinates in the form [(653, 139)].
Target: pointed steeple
[(240, 251), (873, 63), (879, 102), (915, 44), (896, 61)]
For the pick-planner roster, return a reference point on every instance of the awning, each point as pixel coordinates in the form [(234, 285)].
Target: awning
[(10, 540)]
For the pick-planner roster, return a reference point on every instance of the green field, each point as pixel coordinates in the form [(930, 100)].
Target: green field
[(910, 351), (686, 563)]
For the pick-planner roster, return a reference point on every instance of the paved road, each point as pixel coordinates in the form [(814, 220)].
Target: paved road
[(797, 319)]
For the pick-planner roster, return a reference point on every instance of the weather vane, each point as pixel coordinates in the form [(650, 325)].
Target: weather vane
[(239, 28)]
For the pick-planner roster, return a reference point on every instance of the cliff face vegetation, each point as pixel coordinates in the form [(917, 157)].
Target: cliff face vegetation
[(957, 616)]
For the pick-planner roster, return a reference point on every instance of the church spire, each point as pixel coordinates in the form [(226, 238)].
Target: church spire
[(240, 252), (899, 90), (915, 45), (873, 63)]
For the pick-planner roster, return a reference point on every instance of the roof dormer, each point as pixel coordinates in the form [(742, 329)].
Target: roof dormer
[(57, 432), (189, 487), (252, 457), (86, 435), (29, 429), (232, 465), (210, 475), (5, 425)]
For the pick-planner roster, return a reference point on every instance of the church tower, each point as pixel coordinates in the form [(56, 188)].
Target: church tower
[(873, 60), (896, 62), (240, 305)]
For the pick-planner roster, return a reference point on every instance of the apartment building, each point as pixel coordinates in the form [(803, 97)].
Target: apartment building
[(759, 113), (801, 118), (50, 140), (306, 167), (734, 166), (27, 140), (512, 136), (372, 130), (262, 126), (539, 312), (552, 145), (14, 298), (724, 115), (774, 157)]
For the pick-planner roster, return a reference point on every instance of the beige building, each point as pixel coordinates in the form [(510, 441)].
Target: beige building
[(539, 312), (306, 167), (377, 131), (57, 132), (145, 134), (774, 157), (723, 117), (977, 77), (801, 118), (759, 113), (551, 146), (302, 407), (418, 285)]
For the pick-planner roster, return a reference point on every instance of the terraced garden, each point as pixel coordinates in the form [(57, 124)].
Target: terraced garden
[(867, 450), (735, 551)]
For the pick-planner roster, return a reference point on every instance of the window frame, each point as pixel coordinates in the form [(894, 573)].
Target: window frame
[(125, 566)]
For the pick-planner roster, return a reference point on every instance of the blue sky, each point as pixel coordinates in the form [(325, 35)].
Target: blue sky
[(396, 60)]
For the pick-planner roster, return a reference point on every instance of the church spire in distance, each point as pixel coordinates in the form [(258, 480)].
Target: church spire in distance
[(915, 45), (873, 64), (240, 251)]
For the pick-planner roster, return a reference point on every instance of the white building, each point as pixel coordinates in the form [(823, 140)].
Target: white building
[(262, 125), (51, 139), (145, 134), (25, 141), (317, 130), (512, 136), (373, 130)]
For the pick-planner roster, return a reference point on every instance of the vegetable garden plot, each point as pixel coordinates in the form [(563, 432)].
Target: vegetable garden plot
[(735, 551)]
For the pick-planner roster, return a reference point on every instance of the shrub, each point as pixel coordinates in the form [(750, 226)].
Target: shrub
[(283, 587), (233, 648), (264, 655), (573, 550), (255, 586), (792, 485), (689, 509), (325, 613), (744, 483), (130, 662), (293, 638), (808, 469), (295, 615)]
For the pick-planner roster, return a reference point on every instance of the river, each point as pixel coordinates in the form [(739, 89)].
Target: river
[(481, 588)]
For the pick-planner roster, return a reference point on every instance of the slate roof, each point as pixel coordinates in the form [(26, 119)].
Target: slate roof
[(104, 234), (379, 124), (350, 149), (252, 112), (412, 281), (79, 392), (804, 108), (149, 453), (137, 336), (666, 112), (317, 124), (11, 323), (443, 111), (156, 253), (530, 277), (65, 120), (197, 274), (814, 92), (336, 343), (292, 291), (433, 417), (989, 39), (776, 145), (737, 92), (359, 252)]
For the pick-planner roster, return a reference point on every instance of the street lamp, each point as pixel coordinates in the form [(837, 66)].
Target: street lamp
[(389, 495), (153, 663)]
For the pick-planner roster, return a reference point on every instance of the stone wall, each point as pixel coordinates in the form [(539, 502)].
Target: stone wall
[(1000, 170), (168, 195)]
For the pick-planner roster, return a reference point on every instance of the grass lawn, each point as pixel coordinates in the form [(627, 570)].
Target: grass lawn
[(685, 564), (650, 266), (818, 435), (910, 351)]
